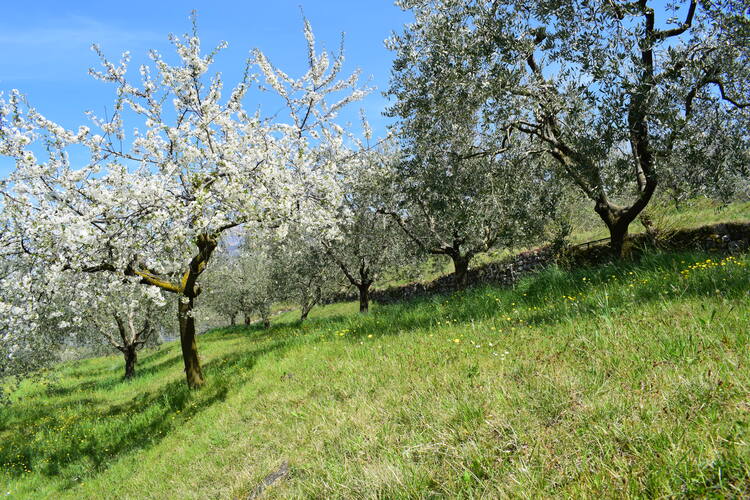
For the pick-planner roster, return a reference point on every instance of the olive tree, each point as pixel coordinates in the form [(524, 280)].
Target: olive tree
[(302, 272), (367, 243), (612, 90), (223, 290), (241, 280), (460, 186)]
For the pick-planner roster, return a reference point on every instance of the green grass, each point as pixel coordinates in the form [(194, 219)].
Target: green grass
[(622, 380), (587, 226), (665, 216)]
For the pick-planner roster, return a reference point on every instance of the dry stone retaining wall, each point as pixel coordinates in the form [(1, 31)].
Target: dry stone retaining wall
[(725, 237)]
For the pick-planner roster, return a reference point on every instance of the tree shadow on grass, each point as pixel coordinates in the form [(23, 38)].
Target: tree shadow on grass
[(112, 380), (105, 432), (18, 417), (106, 379), (101, 433)]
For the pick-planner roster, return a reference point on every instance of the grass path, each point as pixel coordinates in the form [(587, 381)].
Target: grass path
[(622, 380)]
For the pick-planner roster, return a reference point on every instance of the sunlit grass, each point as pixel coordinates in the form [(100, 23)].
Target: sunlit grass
[(587, 227), (625, 379)]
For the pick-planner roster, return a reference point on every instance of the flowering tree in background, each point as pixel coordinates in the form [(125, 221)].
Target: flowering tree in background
[(614, 91), (29, 341), (153, 206), (125, 314), (48, 317)]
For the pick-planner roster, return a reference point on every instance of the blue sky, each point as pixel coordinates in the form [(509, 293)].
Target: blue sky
[(45, 45)]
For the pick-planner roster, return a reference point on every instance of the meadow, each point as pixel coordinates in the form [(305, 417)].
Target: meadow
[(627, 379)]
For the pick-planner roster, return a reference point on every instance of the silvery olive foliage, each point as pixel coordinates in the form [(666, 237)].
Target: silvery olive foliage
[(247, 279), (621, 94), (303, 274), (242, 282), (221, 301), (461, 185), (368, 243), (151, 201)]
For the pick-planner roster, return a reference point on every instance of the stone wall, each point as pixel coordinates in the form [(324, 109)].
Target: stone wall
[(724, 238)]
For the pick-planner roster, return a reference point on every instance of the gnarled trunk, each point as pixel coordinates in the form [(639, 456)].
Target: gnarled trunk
[(618, 235), (460, 270), (364, 297), (617, 221), (131, 356), (307, 306), (193, 370)]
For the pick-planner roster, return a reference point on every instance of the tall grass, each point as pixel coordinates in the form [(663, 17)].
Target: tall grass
[(628, 379)]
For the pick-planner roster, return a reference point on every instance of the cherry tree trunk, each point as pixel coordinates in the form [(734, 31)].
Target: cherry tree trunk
[(193, 370)]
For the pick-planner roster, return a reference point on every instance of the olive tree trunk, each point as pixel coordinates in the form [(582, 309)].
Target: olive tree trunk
[(461, 270), (131, 357), (364, 297)]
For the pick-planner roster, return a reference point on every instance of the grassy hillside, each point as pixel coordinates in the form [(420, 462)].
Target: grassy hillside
[(587, 226), (623, 379)]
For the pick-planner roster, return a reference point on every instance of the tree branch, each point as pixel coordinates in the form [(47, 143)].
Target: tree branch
[(664, 34)]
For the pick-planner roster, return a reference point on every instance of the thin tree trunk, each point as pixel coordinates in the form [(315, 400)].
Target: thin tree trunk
[(265, 315), (131, 356), (304, 312), (232, 319), (364, 297), (305, 308), (308, 306), (248, 319), (193, 370)]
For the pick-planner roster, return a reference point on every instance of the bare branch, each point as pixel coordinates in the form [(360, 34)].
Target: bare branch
[(664, 34)]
